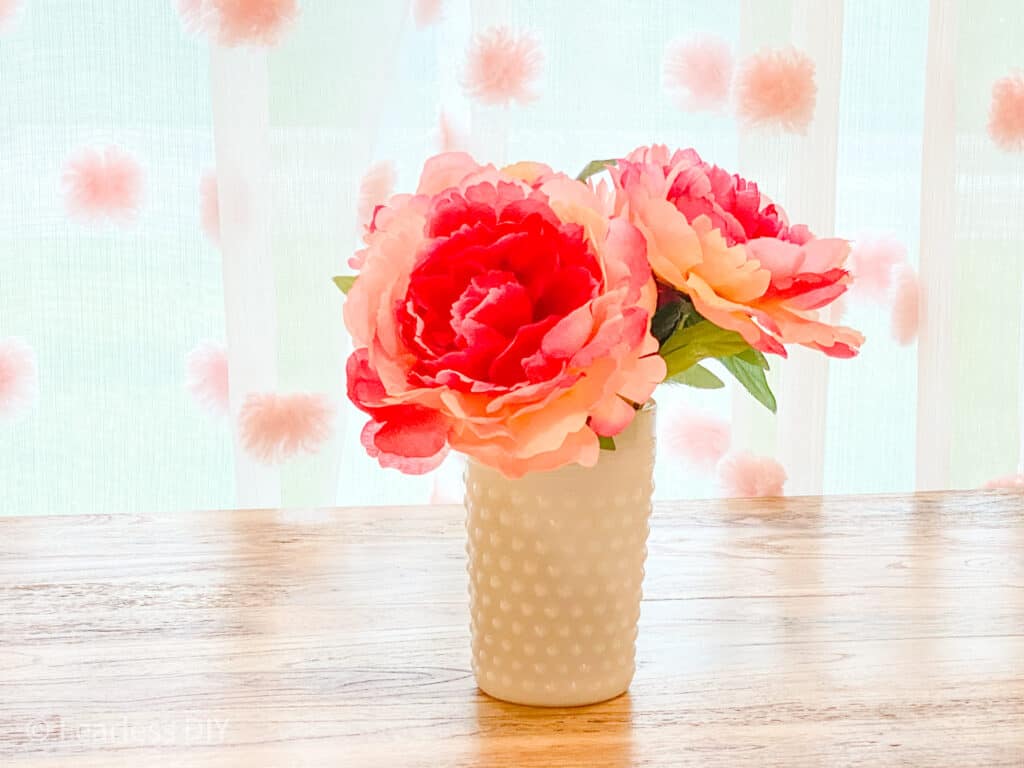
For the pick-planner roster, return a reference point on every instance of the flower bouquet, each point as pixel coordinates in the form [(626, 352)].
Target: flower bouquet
[(524, 318)]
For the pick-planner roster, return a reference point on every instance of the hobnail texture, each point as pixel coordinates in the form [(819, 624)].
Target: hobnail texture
[(556, 565)]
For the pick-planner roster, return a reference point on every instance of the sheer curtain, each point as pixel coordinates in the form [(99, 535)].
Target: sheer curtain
[(113, 302)]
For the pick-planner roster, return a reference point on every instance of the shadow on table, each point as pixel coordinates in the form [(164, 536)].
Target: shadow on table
[(597, 735)]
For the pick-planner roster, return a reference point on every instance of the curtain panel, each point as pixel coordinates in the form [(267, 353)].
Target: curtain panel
[(181, 184)]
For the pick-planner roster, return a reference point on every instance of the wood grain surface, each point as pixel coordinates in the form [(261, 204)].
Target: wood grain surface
[(798, 632)]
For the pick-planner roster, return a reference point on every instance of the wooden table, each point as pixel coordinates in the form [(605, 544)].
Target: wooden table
[(798, 632)]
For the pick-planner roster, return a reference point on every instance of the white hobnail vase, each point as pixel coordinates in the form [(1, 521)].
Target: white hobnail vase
[(556, 564)]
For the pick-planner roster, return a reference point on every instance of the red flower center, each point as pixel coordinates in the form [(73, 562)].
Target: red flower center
[(499, 271)]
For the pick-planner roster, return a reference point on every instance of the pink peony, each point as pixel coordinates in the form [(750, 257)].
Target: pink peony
[(733, 204), (502, 314), (745, 268)]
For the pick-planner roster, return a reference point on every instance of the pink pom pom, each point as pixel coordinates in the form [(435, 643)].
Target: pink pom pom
[(276, 427), (375, 188), (1006, 117), (238, 22), (19, 385), (105, 183), (745, 475), (1011, 482), (502, 67), (777, 87), (698, 72), (209, 207), (700, 439), (872, 260), (427, 12), (906, 306), (450, 138), (207, 376)]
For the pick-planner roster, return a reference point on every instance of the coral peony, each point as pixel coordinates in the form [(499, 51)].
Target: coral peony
[(502, 314), (711, 236)]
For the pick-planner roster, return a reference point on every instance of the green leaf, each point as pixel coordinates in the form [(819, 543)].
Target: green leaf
[(697, 376), (754, 357), (594, 167), (692, 343), (665, 320), (606, 443), (751, 376), (344, 282)]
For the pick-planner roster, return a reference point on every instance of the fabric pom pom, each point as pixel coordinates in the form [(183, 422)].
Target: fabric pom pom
[(209, 207), (427, 12), (698, 73), (777, 87), (276, 427), (450, 138), (872, 261), (207, 376), (103, 183), (1006, 117), (238, 22), (906, 306), (257, 22), (502, 67), (374, 189), (19, 377), (746, 475), (697, 437), (1011, 482)]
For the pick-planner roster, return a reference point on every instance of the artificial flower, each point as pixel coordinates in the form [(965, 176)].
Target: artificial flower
[(711, 236), (501, 313)]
